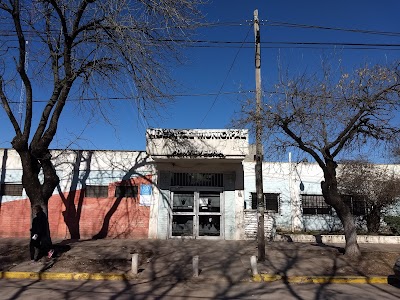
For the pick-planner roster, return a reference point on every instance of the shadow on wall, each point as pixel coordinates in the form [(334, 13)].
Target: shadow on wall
[(72, 213), (322, 222), (73, 199), (3, 174)]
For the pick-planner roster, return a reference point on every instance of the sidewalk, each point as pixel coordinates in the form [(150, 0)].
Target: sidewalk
[(172, 260)]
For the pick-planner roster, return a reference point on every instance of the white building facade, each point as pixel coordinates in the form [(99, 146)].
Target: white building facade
[(187, 184)]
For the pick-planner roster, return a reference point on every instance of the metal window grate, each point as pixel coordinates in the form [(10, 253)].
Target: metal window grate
[(314, 205), (96, 191), (357, 204), (197, 179), (11, 189), (271, 201), (128, 191)]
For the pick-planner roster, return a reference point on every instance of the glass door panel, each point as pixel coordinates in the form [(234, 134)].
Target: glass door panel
[(183, 202), (209, 202), (182, 225), (196, 213), (209, 225), (209, 213)]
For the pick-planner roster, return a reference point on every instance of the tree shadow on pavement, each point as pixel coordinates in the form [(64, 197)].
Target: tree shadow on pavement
[(304, 259), (167, 271), (225, 271)]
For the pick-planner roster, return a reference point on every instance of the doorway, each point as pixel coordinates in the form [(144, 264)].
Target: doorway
[(197, 214)]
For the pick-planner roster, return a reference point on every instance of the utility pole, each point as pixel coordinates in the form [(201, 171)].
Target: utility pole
[(259, 149)]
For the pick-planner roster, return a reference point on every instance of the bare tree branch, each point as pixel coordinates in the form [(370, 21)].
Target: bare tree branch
[(85, 47), (327, 114), (7, 108)]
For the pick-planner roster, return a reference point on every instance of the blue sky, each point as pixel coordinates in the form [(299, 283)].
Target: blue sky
[(218, 76)]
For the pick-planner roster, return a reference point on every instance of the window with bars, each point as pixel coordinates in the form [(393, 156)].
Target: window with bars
[(127, 191), (96, 191), (197, 179), (357, 204), (314, 205), (11, 189), (271, 201)]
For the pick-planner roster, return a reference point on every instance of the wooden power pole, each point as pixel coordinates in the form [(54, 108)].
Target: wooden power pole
[(259, 148)]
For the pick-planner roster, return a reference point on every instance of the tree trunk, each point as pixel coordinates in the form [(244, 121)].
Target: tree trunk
[(374, 220), (37, 192), (30, 181), (332, 197), (352, 249)]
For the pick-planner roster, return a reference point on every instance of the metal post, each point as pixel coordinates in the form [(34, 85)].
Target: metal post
[(196, 266), (253, 263), (135, 263)]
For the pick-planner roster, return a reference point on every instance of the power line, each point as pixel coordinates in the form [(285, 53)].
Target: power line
[(239, 43), (133, 98), (272, 23), (305, 26), (269, 44), (226, 77)]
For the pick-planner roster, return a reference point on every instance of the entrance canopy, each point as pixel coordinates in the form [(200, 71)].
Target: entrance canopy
[(172, 144)]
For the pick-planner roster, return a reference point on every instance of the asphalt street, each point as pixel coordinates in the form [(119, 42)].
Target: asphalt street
[(50, 289), (166, 271)]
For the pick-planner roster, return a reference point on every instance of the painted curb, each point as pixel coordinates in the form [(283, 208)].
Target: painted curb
[(63, 276), (255, 278), (325, 279)]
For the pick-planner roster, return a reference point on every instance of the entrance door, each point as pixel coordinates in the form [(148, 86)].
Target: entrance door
[(197, 214)]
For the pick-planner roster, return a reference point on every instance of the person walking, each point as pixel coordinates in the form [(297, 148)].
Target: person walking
[(40, 243)]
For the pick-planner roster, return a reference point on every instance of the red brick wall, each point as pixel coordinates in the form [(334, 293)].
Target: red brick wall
[(112, 217), (15, 218)]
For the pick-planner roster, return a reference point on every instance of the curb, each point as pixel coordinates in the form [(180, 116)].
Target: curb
[(63, 276), (255, 278), (326, 279), (337, 238)]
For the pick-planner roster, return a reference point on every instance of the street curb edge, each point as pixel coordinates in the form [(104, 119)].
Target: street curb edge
[(255, 278), (325, 279), (63, 276)]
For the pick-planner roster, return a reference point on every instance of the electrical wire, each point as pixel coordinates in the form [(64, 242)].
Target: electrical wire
[(271, 23), (134, 98), (239, 43), (226, 77), (306, 26)]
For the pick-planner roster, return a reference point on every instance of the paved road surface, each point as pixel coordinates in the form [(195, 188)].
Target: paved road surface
[(27, 289)]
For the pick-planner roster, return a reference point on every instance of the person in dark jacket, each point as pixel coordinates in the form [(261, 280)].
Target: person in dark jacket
[(40, 243)]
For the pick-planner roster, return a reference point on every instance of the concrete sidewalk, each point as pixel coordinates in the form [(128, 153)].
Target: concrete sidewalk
[(172, 260)]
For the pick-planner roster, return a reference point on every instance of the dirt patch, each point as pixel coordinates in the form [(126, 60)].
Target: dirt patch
[(114, 256), (70, 263), (12, 253), (328, 262), (370, 263)]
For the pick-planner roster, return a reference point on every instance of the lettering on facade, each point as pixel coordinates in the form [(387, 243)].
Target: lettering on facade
[(195, 153), (232, 134)]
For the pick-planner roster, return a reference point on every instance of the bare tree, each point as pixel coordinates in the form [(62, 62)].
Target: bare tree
[(84, 48), (374, 186), (396, 153), (326, 114)]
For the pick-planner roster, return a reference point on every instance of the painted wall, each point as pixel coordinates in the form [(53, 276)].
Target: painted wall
[(286, 179), (276, 179), (71, 214)]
